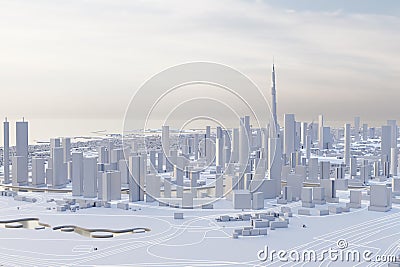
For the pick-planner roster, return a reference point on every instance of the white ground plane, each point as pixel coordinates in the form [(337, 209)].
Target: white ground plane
[(197, 240)]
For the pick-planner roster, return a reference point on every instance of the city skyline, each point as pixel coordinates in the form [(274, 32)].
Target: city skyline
[(150, 133)]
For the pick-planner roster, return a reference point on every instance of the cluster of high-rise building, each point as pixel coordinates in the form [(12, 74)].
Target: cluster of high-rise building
[(243, 164)]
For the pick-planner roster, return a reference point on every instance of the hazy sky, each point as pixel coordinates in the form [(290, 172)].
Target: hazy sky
[(84, 59)]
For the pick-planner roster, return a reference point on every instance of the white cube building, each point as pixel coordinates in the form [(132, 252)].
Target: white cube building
[(187, 200), (380, 198), (258, 201), (241, 199), (111, 185), (307, 197)]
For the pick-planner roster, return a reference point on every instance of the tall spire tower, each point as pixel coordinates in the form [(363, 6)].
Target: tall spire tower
[(273, 92)]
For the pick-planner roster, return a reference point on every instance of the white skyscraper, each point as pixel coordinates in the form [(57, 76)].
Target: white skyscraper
[(123, 168), (111, 185), (90, 177), (347, 140), (308, 146), (153, 184), (207, 145), (165, 139), (393, 145), (178, 173), (38, 172), (244, 142), (6, 152), (275, 162), (19, 171), (393, 125), (289, 134), (59, 168), (143, 174), (304, 132), (356, 129), (235, 145), (22, 139), (66, 143), (386, 140), (273, 106), (77, 173), (219, 147), (320, 125), (134, 178), (325, 139), (21, 152)]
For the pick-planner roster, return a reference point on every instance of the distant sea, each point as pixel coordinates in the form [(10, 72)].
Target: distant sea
[(42, 129)]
